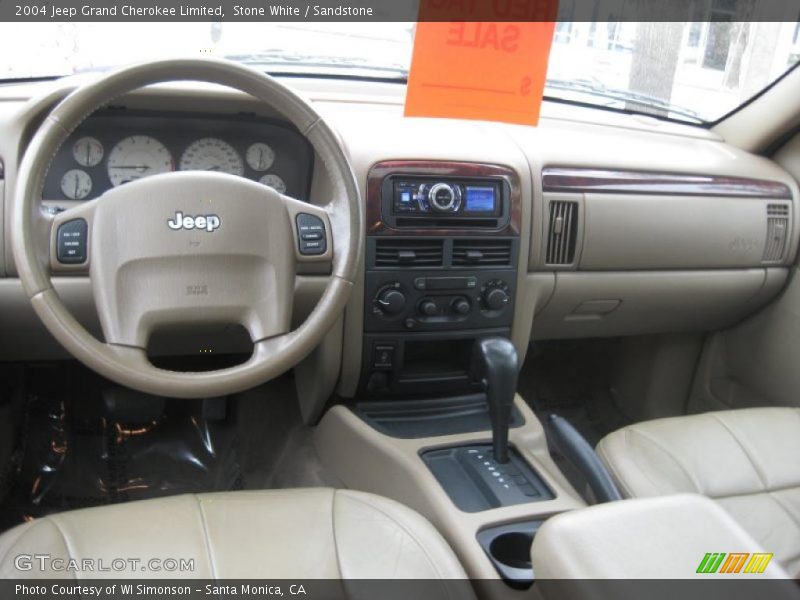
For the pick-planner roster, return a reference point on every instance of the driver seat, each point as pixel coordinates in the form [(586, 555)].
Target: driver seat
[(747, 460), (276, 534)]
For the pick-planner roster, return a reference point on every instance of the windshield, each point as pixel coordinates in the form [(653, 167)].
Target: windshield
[(694, 72)]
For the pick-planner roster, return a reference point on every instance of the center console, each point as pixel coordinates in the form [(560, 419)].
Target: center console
[(439, 372), (441, 272), (436, 423)]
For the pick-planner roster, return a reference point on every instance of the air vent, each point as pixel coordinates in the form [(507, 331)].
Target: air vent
[(409, 253), (777, 210), (777, 229), (481, 253), (562, 232)]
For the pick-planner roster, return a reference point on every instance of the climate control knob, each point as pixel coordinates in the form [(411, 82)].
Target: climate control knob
[(391, 301), (460, 306), (428, 307), (494, 295), (495, 299)]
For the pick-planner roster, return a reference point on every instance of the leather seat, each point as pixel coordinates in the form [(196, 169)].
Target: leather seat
[(279, 534), (748, 460)]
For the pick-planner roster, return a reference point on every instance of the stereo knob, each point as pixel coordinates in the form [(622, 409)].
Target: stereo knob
[(428, 308), (495, 299), (391, 302), (443, 197), (460, 306)]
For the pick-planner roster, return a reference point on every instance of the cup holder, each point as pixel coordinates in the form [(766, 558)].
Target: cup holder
[(509, 549), (512, 548)]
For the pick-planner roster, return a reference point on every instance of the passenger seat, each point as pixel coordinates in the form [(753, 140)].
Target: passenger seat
[(748, 460)]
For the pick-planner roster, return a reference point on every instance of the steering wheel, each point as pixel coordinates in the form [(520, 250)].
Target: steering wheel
[(187, 248)]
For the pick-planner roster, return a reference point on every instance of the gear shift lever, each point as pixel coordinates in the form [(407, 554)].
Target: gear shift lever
[(495, 364)]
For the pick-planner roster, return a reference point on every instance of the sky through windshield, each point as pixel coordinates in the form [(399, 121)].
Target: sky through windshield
[(699, 71)]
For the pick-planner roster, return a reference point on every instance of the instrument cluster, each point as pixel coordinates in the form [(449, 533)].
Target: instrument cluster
[(112, 148)]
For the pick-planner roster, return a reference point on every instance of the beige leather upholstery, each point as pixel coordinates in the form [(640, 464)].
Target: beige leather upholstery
[(748, 460), (282, 534), (651, 538)]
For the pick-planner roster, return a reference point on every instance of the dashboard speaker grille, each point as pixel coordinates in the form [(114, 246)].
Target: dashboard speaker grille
[(481, 253), (409, 253), (562, 232), (777, 230)]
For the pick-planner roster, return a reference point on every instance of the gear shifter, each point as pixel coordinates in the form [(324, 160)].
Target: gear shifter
[(496, 365)]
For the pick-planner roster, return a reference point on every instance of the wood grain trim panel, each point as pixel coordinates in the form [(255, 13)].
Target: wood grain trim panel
[(379, 171), (568, 179)]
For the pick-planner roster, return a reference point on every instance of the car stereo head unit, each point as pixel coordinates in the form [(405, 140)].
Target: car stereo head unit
[(442, 201), (480, 198)]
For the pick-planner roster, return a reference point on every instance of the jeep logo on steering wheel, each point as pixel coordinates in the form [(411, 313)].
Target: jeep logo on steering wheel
[(207, 222)]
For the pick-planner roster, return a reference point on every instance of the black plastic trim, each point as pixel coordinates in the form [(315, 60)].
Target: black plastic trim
[(574, 447), (475, 482), (414, 419), (520, 575)]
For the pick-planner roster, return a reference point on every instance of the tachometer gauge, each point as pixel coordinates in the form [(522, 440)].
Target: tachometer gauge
[(260, 156), (275, 182), (138, 156), (76, 184), (212, 154), (87, 152)]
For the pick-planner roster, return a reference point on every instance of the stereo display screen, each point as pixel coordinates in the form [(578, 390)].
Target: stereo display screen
[(480, 199)]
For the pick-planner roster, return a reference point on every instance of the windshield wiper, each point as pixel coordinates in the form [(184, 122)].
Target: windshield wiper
[(633, 101), (279, 61)]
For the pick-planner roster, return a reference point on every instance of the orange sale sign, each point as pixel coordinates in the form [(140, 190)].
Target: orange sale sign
[(467, 66), (491, 71)]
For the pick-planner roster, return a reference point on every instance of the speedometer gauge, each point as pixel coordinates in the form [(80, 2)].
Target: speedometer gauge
[(212, 154), (138, 156), (260, 156)]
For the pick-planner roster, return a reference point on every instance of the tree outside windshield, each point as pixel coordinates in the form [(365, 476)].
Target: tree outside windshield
[(689, 71)]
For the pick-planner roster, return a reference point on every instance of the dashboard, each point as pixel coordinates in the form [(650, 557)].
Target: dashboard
[(114, 147), (594, 223)]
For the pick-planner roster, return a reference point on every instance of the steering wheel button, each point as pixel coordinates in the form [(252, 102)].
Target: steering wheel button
[(71, 242), (311, 234)]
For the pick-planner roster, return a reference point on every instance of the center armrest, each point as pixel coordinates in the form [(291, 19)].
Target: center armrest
[(652, 538)]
